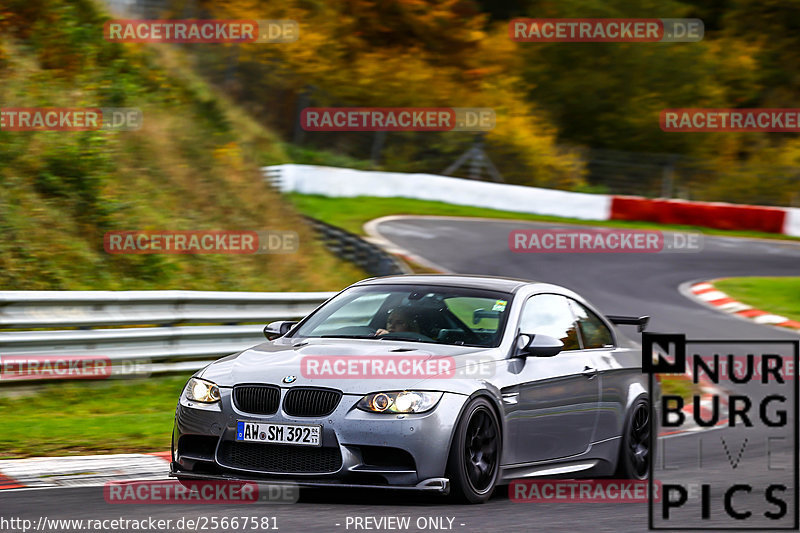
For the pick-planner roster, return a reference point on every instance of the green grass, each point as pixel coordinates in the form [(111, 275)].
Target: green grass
[(352, 213), (679, 386), (82, 418), (780, 296)]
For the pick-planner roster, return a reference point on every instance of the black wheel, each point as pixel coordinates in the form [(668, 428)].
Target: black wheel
[(634, 453), (474, 461)]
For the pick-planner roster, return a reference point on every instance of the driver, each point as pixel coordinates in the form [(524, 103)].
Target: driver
[(400, 319)]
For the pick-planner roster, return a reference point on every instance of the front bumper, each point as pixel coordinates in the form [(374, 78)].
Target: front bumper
[(375, 450)]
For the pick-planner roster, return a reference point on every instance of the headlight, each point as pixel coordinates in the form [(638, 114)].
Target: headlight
[(200, 390), (399, 402)]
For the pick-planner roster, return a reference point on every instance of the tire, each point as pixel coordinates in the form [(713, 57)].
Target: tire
[(473, 465), (634, 453)]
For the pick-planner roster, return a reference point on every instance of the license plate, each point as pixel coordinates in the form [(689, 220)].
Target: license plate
[(301, 435)]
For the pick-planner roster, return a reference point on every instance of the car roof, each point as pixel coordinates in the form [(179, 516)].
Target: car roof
[(452, 280)]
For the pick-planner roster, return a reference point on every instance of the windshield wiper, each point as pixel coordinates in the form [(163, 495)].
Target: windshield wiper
[(348, 337), (400, 337)]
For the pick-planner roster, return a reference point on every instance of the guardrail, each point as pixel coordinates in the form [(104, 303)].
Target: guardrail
[(164, 347), (65, 309)]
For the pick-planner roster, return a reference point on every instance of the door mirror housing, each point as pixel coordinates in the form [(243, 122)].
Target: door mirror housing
[(273, 330), (538, 345)]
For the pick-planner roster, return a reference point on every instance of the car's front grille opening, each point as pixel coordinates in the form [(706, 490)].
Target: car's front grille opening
[(387, 457), (257, 399), (305, 401), (277, 458), (199, 447), (201, 467)]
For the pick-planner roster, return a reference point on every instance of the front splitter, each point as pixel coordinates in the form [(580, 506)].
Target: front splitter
[(438, 485)]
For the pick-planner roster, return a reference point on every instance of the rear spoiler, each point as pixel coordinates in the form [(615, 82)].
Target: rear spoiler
[(639, 322)]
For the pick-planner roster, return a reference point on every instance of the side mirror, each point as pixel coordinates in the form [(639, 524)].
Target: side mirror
[(530, 345), (273, 330)]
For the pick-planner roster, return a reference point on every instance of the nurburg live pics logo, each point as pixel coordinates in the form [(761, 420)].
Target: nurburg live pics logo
[(752, 485)]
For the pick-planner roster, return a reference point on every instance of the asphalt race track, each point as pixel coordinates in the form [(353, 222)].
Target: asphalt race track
[(635, 284)]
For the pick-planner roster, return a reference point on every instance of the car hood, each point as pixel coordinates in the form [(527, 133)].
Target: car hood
[(271, 362)]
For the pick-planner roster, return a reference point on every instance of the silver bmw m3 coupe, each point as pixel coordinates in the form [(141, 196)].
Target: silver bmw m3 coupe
[(443, 383)]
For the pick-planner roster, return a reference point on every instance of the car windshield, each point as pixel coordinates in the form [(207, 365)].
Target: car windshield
[(420, 313)]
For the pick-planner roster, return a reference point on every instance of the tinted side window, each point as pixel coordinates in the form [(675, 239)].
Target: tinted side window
[(594, 332), (550, 314)]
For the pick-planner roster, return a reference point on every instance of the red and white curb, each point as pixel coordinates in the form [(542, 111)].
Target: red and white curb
[(708, 390), (81, 470), (707, 293)]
